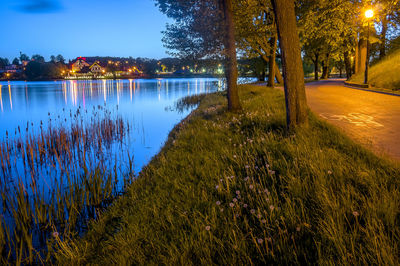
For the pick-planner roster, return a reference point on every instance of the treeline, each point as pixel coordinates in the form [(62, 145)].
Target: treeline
[(36, 68)]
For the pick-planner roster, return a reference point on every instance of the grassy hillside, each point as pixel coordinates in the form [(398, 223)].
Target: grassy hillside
[(384, 74), (237, 189)]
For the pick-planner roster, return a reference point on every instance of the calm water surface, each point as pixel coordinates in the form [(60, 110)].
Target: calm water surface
[(148, 106)]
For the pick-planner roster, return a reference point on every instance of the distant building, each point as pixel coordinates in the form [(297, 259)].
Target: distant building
[(95, 68), (79, 63)]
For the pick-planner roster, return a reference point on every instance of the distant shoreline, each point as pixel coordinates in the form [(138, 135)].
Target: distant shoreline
[(119, 78)]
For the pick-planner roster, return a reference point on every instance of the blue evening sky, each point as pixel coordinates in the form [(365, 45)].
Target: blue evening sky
[(81, 28)]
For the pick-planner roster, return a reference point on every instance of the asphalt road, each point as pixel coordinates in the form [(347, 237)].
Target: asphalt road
[(373, 119)]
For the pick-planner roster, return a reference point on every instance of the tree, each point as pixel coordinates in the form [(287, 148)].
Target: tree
[(4, 62), (23, 57), (60, 59), (256, 32), (38, 58), (295, 95), (15, 61), (203, 29), (53, 59), (230, 55)]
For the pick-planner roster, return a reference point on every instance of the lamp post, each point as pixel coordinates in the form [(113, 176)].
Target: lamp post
[(368, 15)]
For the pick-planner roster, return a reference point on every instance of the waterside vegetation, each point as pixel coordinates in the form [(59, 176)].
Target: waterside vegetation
[(55, 179), (237, 188)]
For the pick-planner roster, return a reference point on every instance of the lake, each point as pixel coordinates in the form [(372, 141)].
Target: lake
[(147, 104)]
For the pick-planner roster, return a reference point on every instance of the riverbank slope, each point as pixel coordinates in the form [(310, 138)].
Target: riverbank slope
[(237, 189)]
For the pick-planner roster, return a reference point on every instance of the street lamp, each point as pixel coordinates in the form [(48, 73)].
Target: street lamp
[(368, 15)]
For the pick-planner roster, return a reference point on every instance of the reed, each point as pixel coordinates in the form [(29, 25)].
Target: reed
[(55, 179)]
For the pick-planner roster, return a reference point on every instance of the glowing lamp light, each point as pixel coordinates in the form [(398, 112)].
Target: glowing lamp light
[(369, 13)]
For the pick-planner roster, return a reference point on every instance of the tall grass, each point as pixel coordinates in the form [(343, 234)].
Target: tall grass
[(384, 74), (238, 189), (54, 180)]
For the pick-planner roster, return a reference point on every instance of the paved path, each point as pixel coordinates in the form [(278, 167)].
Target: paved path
[(372, 119)]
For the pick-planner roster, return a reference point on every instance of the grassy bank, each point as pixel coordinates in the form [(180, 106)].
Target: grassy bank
[(384, 75), (236, 189)]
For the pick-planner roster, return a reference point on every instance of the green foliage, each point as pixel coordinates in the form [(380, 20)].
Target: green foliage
[(384, 75), (4, 62), (236, 189), (38, 58), (15, 61), (37, 70)]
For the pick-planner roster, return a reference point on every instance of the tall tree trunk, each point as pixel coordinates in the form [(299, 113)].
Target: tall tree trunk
[(231, 71), (382, 46), (278, 75), (347, 64), (293, 74), (272, 63), (316, 66), (361, 55), (325, 67)]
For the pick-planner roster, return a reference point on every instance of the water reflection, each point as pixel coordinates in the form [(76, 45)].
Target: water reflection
[(145, 103)]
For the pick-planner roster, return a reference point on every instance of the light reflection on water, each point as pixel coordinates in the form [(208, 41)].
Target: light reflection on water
[(146, 104)]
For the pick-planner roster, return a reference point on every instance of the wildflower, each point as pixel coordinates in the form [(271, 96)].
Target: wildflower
[(329, 172), (252, 211), (246, 179), (356, 214), (263, 221), (208, 228), (222, 209), (232, 177), (234, 200), (251, 186), (216, 187), (269, 239), (231, 204), (271, 172), (267, 165), (237, 215), (55, 234), (266, 191), (234, 156), (245, 205), (260, 241), (220, 180), (259, 216), (271, 207), (218, 203), (256, 167), (298, 228), (247, 166), (237, 192), (238, 196)]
